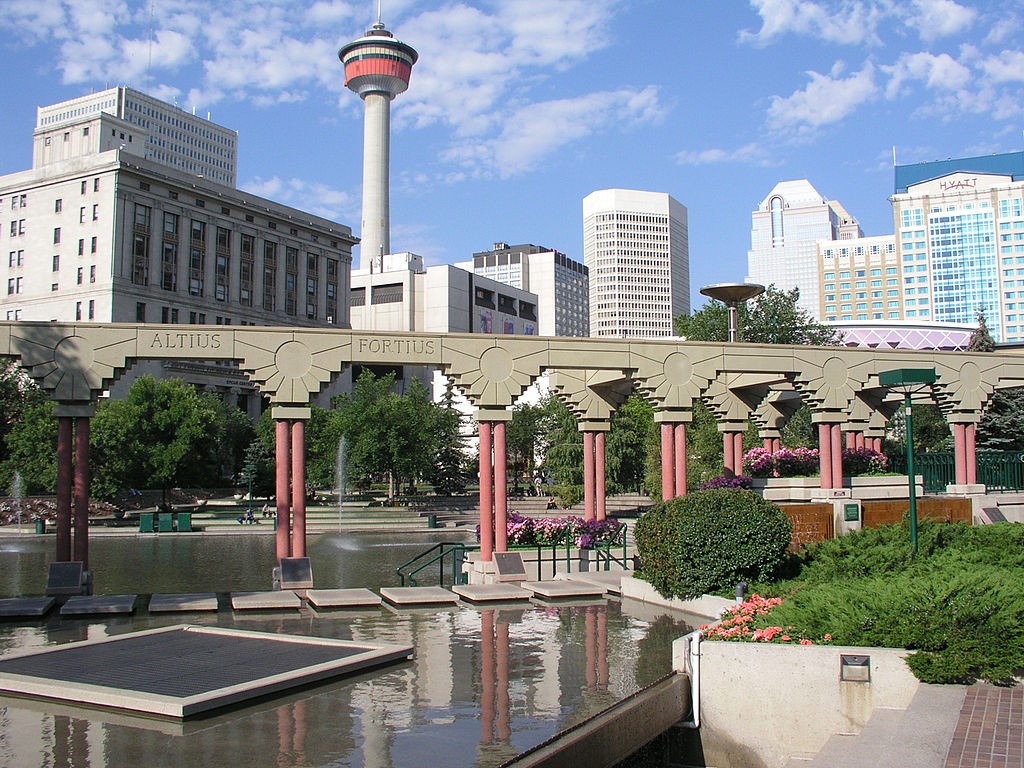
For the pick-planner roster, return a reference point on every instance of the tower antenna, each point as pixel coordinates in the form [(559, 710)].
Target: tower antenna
[(378, 11)]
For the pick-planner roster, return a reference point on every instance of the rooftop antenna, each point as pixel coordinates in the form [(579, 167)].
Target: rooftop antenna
[(378, 11), (893, 155)]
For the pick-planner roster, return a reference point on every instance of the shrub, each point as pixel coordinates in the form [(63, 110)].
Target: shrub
[(864, 461), (738, 483), (709, 540)]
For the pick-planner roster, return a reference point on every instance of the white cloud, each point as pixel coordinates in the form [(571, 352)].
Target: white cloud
[(752, 153), (849, 23), (1006, 67), (941, 73), (940, 18), (827, 99), (538, 130), (314, 197)]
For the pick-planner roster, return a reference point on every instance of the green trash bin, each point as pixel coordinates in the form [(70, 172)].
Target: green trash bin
[(41, 525), (145, 522), (184, 522), (165, 522)]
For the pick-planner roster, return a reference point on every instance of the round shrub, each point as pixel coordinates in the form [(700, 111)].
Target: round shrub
[(709, 540)]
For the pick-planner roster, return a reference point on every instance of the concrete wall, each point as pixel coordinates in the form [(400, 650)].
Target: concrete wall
[(761, 704)]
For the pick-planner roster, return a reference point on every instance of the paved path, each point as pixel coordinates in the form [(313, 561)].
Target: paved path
[(990, 732)]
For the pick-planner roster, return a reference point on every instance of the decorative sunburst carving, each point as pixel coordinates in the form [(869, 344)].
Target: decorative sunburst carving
[(290, 367)]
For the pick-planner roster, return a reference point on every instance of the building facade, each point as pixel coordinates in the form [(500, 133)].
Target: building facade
[(784, 235), (636, 248), (101, 229), (859, 280), (560, 284)]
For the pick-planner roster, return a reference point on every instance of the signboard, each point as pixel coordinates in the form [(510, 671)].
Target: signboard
[(509, 566), (296, 573), (851, 513)]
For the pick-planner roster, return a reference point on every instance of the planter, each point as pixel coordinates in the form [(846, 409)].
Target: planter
[(785, 488), (804, 489)]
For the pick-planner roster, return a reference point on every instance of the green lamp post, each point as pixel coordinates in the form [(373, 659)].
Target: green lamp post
[(909, 381)]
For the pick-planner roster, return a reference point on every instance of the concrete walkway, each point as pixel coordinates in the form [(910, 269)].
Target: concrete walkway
[(945, 726)]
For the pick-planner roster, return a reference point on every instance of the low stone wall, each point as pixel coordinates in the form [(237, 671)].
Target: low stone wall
[(761, 704)]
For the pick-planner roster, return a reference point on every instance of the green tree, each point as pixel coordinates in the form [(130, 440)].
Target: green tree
[(562, 448), (448, 470), (17, 393), (1002, 425), (771, 318), (523, 440), (628, 445), (162, 434), (30, 447), (981, 339)]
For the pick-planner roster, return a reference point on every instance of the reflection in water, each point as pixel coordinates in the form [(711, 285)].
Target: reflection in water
[(484, 684)]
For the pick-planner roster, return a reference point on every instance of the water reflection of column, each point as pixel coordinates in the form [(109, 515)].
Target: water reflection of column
[(284, 737), (291, 734), (486, 493), (500, 489), (599, 481), (282, 454), (503, 722), (298, 447), (487, 697), (65, 432), (596, 647)]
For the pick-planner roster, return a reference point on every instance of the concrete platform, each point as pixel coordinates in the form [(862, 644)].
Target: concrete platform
[(480, 593), (562, 589), (25, 607), (263, 601), (185, 670), (342, 598), (610, 580), (200, 601), (418, 595), (88, 605)]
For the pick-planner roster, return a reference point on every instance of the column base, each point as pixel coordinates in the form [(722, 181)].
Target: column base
[(972, 489)]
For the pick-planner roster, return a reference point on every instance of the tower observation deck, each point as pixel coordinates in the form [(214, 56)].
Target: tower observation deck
[(377, 67)]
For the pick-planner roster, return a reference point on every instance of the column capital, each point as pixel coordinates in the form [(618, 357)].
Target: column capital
[(673, 417), (294, 412), (75, 410), (493, 414)]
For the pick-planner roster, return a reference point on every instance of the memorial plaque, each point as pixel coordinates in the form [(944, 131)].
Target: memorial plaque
[(296, 573), (67, 578), (508, 566), (851, 513)]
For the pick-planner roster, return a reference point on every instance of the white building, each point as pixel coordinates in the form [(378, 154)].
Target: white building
[(859, 280), (560, 284), (636, 247), (102, 229), (785, 232)]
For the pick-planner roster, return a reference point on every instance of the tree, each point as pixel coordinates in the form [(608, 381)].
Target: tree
[(628, 445), (162, 434), (523, 439), (1002, 425), (981, 340), (17, 393), (562, 448), (771, 318), (447, 472), (30, 448)]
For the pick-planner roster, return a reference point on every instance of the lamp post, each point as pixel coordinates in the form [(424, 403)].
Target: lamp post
[(909, 381), (732, 295)]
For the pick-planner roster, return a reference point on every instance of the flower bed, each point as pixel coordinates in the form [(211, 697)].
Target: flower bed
[(739, 623), (804, 462), (525, 531)]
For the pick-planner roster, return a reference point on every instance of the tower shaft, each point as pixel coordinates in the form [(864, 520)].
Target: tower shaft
[(376, 224)]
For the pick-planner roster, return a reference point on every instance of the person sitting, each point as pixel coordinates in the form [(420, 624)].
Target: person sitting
[(552, 504), (250, 518)]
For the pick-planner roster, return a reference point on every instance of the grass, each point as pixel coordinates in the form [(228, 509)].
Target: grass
[(958, 605)]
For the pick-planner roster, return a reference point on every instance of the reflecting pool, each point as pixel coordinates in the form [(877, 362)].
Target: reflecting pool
[(485, 684)]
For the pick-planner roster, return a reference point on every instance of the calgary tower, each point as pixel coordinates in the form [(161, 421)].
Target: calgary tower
[(377, 67)]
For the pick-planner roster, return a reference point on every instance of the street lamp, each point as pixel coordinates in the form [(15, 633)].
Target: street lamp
[(732, 295), (909, 381)]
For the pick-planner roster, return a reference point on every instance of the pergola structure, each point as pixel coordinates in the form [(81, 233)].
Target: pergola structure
[(76, 363)]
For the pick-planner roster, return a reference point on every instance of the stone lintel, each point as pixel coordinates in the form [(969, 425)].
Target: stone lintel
[(961, 417), (493, 414), (828, 417), (673, 417), (75, 410), (595, 426), (299, 412), (732, 426)]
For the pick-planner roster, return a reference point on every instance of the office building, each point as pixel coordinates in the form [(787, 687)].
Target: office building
[(104, 229), (560, 284), (858, 280), (635, 245), (785, 231)]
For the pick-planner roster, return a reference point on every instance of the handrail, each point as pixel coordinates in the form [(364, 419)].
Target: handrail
[(443, 549)]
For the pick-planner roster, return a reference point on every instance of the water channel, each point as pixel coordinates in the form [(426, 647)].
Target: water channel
[(486, 683)]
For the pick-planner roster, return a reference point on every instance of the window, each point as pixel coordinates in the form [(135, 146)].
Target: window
[(95, 212), (81, 275), (92, 273), (96, 184), (56, 262), (143, 216), (92, 309), (56, 235), (58, 205), (78, 304), (269, 276), (92, 245), (140, 312), (140, 260)]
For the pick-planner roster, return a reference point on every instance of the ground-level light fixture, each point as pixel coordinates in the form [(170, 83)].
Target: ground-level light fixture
[(908, 382), (732, 295)]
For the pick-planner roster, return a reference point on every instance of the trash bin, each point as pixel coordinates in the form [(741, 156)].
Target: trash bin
[(41, 525), (431, 521), (145, 522), (165, 522), (184, 522)]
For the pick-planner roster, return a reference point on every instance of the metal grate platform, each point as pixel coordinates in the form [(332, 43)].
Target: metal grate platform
[(181, 671)]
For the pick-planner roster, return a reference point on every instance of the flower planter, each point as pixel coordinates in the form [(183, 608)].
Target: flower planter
[(866, 487), (786, 488)]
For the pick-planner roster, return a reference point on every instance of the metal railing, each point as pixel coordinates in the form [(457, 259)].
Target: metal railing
[(437, 554), (997, 470)]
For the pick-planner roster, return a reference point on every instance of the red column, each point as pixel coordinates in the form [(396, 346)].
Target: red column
[(729, 454), (960, 452), (298, 488), (599, 479), (776, 444), (737, 452), (851, 440), (588, 475), (65, 463), (971, 455), (500, 489), (667, 462), (282, 455), (679, 431), (825, 454), (486, 493), (82, 482), (859, 437), (768, 444), (837, 456)]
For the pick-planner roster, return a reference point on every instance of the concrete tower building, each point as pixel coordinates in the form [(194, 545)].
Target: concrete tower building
[(636, 248), (377, 67)]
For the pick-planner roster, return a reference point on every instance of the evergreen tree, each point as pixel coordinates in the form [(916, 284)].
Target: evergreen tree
[(981, 339)]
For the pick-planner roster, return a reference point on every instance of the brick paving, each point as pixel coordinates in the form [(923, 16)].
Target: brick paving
[(990, 733)]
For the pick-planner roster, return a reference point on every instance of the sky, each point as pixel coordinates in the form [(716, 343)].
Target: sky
[(518, 109)]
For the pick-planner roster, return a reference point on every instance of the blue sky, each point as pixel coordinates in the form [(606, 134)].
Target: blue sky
[(519, 108)]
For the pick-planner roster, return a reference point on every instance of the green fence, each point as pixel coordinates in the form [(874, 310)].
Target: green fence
[(997, 470)]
